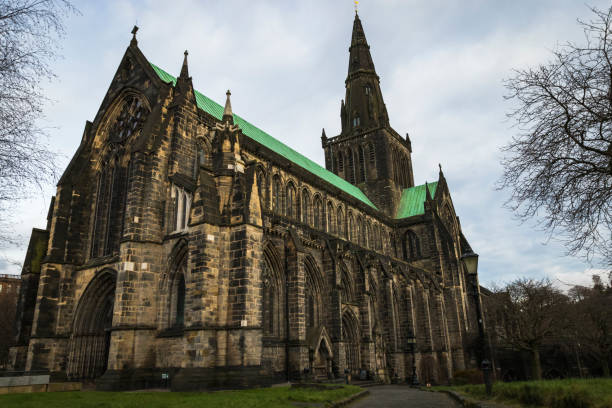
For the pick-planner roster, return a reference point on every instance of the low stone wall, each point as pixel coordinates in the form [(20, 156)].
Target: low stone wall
[(34, 383)]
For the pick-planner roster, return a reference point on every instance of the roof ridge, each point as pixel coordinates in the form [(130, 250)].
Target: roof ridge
[(262, 137)]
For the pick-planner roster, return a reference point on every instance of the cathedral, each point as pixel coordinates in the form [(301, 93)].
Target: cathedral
[(186, 247)]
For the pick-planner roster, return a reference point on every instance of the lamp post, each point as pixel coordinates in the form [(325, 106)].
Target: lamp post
[(412, 344), (470, 261)]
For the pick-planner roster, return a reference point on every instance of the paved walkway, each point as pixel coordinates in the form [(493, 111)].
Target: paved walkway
[(396, 396)]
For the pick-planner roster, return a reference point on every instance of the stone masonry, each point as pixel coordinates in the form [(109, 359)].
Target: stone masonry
[(184, 241)]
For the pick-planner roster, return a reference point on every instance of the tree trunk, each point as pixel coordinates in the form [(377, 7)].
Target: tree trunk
[(605, 367), (536, 368)]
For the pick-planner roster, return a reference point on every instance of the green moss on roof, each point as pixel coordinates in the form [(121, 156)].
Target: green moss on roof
[(216, 110), (413, 200)]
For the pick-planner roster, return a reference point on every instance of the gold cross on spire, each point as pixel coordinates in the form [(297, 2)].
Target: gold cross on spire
[(356, 5)]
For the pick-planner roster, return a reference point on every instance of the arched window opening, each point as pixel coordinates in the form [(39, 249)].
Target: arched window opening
[(356, 120), (313, 299), (412, 247), (351, 227), (351, 167), (277, 196), (372, 153), (305, 207), (176, 297), (330, 218), (110, 209), (130, 119), (367, 89), (362, 167), (291, 201), (272, 296), (181, 207), (340, 222), (360, 239), (340, 163), (262, 185), (318, 213), (202, 156)]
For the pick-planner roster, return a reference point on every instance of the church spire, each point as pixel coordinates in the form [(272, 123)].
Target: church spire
[(364, 106), (360, 58)]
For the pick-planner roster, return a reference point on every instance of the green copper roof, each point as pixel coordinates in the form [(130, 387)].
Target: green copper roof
[(413, 200), (216, 110)]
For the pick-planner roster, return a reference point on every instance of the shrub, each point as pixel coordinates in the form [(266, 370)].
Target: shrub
[(570, 398), (530, 395), (464, 377)]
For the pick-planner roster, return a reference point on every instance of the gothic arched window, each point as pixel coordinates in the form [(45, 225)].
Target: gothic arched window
[(181, 207), (262, 185), (351, 227), (330, 218), (340, 163), (318, 213), (340, 222), (362, 169), (277, 195), (110, 208), (305, 207), (372, 153), (412, 247), (129, 120), (176, 316), (313, 298), (272, 296), (291, 201), (351, 167)]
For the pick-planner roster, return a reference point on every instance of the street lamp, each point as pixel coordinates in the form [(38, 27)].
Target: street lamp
[(470, 261), (411, 340)]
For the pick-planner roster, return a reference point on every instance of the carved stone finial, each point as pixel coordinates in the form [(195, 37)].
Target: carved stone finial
[(228, 116), (184, 69), (134, 31)]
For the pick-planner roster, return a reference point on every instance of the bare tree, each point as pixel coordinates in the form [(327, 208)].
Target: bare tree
[(29, 33), (591, 316), (8, 303), (559, 166), (529, 313)]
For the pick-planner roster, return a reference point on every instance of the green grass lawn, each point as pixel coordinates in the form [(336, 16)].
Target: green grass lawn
[(260, 397), (570, 393)]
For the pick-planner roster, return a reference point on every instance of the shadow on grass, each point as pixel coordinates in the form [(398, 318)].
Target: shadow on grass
[(260, 397)]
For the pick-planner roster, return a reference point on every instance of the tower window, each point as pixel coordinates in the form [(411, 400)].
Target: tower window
[(368, 90), (372, 152), (356, 121)]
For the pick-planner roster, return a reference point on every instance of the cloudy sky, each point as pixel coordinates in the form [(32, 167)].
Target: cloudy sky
[(441, 64)]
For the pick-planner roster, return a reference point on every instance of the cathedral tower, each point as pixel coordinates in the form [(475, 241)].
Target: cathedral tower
[(368, 152)]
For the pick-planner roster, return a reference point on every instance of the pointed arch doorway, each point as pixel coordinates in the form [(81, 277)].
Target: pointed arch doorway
[(91, 331)]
